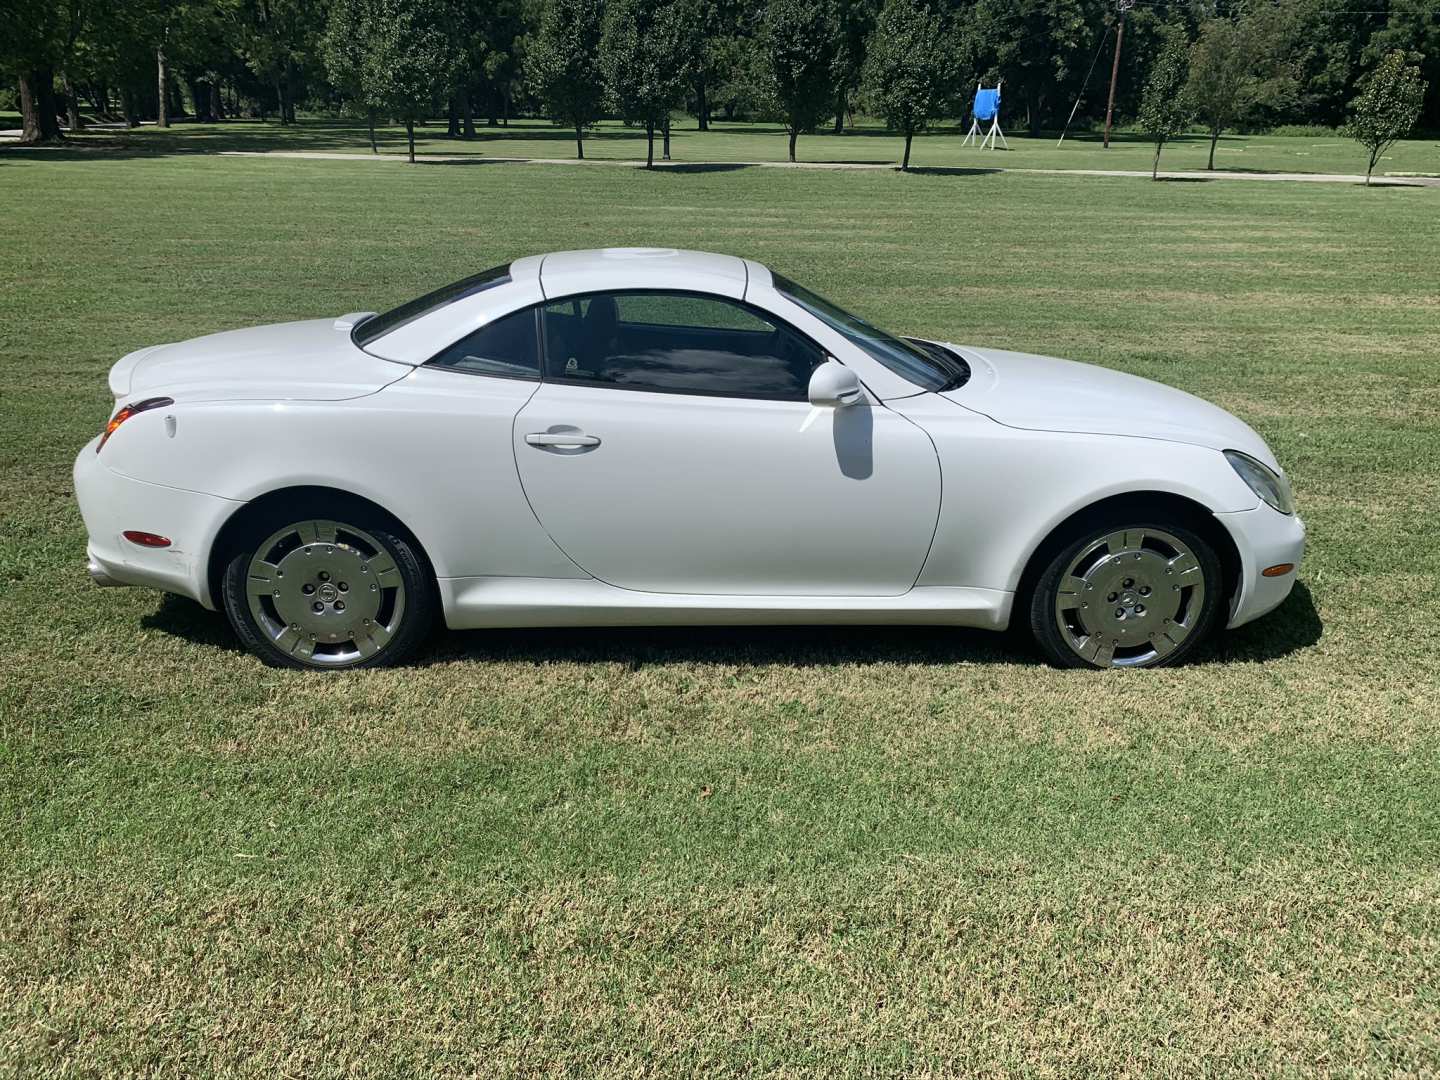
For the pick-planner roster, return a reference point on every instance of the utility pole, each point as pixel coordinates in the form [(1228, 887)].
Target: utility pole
[(1124, 6)]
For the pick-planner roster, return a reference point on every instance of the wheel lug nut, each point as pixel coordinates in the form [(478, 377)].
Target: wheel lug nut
[(339, 605), (317, 607), (307, 588), (276, 594), (323, 576), (1128, 582), (1144, 590), (1112, 597), (344, 587), (374, 588)]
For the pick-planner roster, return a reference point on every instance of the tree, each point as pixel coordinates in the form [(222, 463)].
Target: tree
[(854, 23), (1235, 66), (409, 58), (1163, 112), (274, 36), (39, 37), (907, 68), (646, 51), (563, 64), (1386, 108), (1415, 29), (1221, 69), (1041, 48), (797, 44), (343, 49)]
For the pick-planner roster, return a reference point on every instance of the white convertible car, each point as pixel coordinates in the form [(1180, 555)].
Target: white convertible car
[(649, 436)]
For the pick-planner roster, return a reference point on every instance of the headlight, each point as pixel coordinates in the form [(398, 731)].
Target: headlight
[(1264, 481)]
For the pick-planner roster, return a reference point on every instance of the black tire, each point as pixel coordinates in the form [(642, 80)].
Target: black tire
[(1147, 639), (364, 539)]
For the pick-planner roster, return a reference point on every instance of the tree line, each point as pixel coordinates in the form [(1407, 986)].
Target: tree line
[(808, 64)]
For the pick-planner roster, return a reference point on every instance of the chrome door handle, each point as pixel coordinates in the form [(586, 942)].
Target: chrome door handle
[(561, 439)]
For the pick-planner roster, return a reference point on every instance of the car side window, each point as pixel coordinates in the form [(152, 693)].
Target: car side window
[(508, 347), (674, 342)]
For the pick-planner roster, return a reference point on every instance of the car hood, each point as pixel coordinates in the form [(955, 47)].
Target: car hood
[(1046, 394), (313, 360)]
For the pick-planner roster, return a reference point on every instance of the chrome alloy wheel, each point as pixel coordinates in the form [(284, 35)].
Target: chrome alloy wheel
[(1130, 598), (327, 593)]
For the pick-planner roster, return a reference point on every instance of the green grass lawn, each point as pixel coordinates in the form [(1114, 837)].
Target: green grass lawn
[(838, 852), (939, 149)]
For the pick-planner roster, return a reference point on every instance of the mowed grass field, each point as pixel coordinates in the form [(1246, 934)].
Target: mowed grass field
[(864, 144), (790, 852)]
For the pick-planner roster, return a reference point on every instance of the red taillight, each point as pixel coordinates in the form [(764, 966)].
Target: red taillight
[(146, 539), (126, 413)]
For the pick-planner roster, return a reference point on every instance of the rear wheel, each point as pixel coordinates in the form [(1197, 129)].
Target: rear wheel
[(328, 593), (1130, 594)]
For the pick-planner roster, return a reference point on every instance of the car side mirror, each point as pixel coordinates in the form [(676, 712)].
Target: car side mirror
[(833, 385)]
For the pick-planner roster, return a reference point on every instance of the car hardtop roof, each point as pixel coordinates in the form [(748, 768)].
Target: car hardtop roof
[(565, 273)]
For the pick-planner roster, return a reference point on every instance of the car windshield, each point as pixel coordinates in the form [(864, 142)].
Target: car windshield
[(929, 366), (378, 326)]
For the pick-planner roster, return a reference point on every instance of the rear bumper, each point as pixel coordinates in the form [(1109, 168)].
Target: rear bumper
[(1264, 538), (111, 503)]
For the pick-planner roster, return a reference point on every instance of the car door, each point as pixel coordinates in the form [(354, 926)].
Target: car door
[(671, 448)]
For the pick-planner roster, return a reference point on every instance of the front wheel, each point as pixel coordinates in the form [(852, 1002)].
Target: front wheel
[(325, 593), (1128, 595)]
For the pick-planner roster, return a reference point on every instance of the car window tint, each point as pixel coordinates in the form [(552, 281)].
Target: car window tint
[(507, 347), (676, 343)]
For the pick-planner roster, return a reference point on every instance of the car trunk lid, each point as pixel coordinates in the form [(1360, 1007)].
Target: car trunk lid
[(313, 360)]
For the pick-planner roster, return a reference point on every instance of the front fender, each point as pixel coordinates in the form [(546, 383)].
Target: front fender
[(1007, 489)]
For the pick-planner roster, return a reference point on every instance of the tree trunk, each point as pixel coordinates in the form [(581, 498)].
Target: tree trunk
[(649, 144), (452, 119), (72, 103), (38, 122), (665, 131), (579, 144), (370, 119), (217, 101), (1155, 167), (162, 114), (410, 137), (1214, 138), (905, 164), (794, 133), (287, 101), (702, 106), (467, 115), (127, 107), (1374, 157), (840, 96)]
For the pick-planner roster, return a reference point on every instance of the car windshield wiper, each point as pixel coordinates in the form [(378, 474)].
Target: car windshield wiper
[(955, 382), (953, 363)]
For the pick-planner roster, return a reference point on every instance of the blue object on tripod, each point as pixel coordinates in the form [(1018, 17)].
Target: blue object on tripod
[(987, 104)]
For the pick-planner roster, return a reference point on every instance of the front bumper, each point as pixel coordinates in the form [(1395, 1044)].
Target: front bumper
[(111, 503), (1264, 537)]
